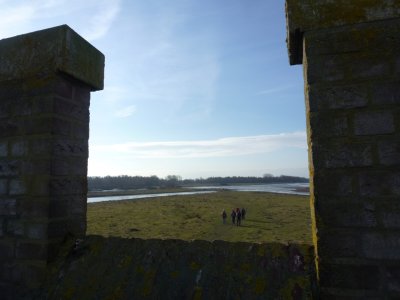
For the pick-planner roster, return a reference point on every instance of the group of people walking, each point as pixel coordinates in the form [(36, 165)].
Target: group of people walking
[(237, 216)]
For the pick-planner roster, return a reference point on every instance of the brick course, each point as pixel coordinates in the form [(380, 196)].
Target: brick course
[(350, 52), (44, 130)]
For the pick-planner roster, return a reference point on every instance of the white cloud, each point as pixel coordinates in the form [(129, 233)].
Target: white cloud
[(101, 21), (91, 18), (13, 19), (172, 70), (231, 146), (125, 112)]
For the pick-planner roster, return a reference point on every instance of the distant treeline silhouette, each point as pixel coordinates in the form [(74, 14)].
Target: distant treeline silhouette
[(125, 182)]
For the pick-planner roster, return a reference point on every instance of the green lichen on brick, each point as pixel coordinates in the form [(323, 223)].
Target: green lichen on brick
[(112, 272), (194, 265), (259, 286), (48, 52), (277, 250), (306, 15), (197, 294), (174, 274), (125, 261), (299, 282)]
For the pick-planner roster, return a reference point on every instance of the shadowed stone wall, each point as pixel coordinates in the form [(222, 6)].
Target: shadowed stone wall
[(350, 53), (116, 268), (45, 83)]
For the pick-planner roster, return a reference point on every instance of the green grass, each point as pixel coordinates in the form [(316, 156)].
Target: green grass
[(270, 217)]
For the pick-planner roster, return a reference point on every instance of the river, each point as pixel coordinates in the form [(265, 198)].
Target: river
[(282, 188)]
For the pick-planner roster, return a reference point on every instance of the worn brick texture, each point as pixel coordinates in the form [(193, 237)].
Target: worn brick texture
[(43, 167), (352, 101)]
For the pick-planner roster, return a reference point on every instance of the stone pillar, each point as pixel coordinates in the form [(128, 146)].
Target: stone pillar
[(350, 51), (45, 83)]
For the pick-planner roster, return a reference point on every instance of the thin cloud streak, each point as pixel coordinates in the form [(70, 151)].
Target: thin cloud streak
[(172, 70), (101, 22), (96, 16), (231, 146), (125, 112)]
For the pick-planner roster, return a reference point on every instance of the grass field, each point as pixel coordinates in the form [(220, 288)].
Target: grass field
[(270, 217)]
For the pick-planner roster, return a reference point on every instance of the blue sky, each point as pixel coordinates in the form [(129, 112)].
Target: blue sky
[(192, 88)]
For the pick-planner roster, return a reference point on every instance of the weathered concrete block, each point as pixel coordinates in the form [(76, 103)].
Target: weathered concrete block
[(37, 231), (389, 153), (15, 227), (350, 276), (375, 245), (334, 243), (68, 186), (47, 125), (354, 155), (75, 166), (385, 93), (379, 183), (38, 186), (36, 167), (338, 155), (397, 67), (391, 219), (333, 183), (7, 249), (324, 125), (3, 187), (371, 123), (33, 208), (339, 97), (40, 147), (78, 205), (58, 228), (393, 279), (8, 207), (339, 69), (28, 274), (11, 127), (307, 15), (3, 149), (9, 167), (80, 131), (45, 82), (17, 187), (369, 67), (59, 207), (70, 147), (51, 50), (31, 251), (19, 148), (3, 228), (343, 214), (71, 110)]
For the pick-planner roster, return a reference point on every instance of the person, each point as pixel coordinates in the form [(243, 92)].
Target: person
[(243, 213), (223, 214), (233, 215), (238, 217)]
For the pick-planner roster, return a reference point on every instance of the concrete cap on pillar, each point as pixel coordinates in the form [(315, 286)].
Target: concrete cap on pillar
[(57, 49), (305, 15)]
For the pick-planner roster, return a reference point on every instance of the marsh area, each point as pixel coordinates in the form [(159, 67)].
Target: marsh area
[(270, 217)]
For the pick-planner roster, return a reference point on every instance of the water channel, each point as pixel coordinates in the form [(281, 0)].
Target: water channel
[(282, 188)]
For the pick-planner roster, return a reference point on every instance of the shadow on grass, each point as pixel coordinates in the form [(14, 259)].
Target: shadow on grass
[(118, 268)]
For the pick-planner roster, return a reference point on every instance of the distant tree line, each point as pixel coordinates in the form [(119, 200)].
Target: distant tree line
[(153, 182)]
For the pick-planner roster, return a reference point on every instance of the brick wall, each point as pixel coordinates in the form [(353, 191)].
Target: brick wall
[(351, 72), (44, 130)]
